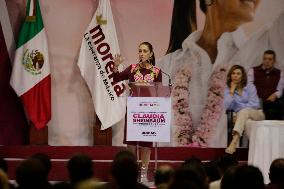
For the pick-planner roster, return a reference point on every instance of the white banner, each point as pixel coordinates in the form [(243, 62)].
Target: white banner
[(148, 119), (99, 45)]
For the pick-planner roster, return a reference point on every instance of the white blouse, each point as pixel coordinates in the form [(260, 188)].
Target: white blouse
[(233, 48)]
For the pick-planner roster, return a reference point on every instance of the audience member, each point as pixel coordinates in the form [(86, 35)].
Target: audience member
[(212, 171), (30, 174), (228, 179), (276, 174), (62, 185), (45, 160), (185, 178), (80, 168), (196, 166), (241, 97), (124, 171), (248, 177), (163, 176), (224, 163), (269, 82)]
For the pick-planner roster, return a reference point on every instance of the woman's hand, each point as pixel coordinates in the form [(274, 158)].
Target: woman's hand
[(233, 88), (117, 60)]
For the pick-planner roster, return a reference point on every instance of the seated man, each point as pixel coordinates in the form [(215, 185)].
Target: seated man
[(268, 81)]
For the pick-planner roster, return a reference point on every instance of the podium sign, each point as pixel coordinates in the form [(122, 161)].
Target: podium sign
[(148, 119)]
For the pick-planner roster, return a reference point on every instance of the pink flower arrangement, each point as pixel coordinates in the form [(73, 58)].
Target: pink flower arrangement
[(180, 97), (185, 134), (213, 108)]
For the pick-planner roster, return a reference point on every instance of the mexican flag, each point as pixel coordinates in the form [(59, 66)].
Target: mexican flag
[(30, 76)]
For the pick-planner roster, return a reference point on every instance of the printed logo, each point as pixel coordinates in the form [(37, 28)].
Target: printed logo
[(151, 104), (149, 133), (33, 61), (100, 20)]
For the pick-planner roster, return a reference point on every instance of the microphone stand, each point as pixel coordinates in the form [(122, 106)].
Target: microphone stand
[(170, 80)]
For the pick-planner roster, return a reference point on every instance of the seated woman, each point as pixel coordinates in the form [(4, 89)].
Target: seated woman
[(145, 72), (241, 97)]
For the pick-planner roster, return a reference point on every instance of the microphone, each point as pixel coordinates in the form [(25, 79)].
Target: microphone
[(170, 80)]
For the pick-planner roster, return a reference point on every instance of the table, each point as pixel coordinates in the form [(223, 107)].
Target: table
[(266, 144)]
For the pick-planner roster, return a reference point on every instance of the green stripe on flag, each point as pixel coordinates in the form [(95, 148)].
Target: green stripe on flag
[(30, 28)]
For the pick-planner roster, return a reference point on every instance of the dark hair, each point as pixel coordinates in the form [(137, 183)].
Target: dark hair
[(31, 174), (186, 178), (226, 161), (203, 5), (3, 165), (149, 45), (270, 52), (244, 76), (212, 170), (45, 160), (80, 167), (195, 165), (62, 185), (228, 179), (163, 175), (124, 169), (276, 171), (248, 176), (183, 23)]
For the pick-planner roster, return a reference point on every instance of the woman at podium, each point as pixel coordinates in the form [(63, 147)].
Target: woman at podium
[(144, 71)]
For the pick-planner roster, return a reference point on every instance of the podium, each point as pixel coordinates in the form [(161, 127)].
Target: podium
[(154, 89), (148, 114)]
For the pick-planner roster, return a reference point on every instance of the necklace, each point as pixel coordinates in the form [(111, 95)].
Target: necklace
[(185, 134)]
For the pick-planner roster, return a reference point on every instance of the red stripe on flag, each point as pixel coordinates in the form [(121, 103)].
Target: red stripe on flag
[(37, 102)]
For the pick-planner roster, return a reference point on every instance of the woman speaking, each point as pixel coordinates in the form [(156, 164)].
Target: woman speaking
[(145, 71)]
